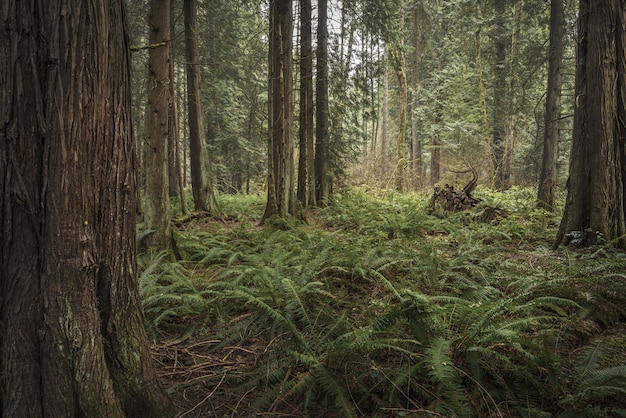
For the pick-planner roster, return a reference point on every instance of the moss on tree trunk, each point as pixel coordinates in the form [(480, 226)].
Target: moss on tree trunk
[(72, 337)]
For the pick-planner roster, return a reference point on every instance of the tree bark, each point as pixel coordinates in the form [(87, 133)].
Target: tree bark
[(280, 197), (72, 341), (201, 183), (435, 156), (509, 137), (156, 204), (322, 174), (416, 141), (595, 201), (551, 130), (498, 142), (175, 169), (399, 65), (384, 140), (306, 162), (484, 121)]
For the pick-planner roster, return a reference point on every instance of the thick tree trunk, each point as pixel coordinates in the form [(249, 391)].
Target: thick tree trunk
[(72, 341), (280, 200), (322, 171), (306, 167), (156, 204), (551, 130), (595, 200), (201, 184)]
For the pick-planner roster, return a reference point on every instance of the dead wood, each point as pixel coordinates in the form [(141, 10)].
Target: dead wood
[(452, 200)]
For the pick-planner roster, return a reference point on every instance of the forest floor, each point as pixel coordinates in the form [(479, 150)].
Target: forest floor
[(204, 354)]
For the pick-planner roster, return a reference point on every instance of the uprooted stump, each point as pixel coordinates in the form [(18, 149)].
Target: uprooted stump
[(449, 199), (452, 200)]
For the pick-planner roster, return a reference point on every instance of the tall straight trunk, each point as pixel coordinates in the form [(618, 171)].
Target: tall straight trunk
[(595, 204), (364, 96), (72, 337), (416, 141), (375, 100), (201, 184), (435, 156), (177, 164), (156, 208), (306, 161), (499, 91), (280, 199), (551, 130), (399, 64), (338, 109), (484, 121), (384, 140), (172, 169), (322, 172), (509, 140)]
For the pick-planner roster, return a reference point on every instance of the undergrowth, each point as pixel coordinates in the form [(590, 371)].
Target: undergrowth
[(372, 307)]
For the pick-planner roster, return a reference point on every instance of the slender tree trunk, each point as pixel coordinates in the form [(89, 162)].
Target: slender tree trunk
[(178, 161), (551, 131), (435, 155), (172, 169), (338, 108), (509, 141), (416, 157), (280, 199), (384, 140), (322, 173), (364, 97), (399, 64), (595, 201), (156, 207), (499, 91), (306, 162), (201, 183), (72, 341), (175, 169), (484, 121)]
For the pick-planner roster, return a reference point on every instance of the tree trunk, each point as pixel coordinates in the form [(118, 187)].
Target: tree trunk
[(306, 166), (322, 174), (484, 121), (435, 156), (509, 137), (172, 137), (280, 197), (416, 141), (551, 130), (499, 91), (72, 338), (399, 64), (156, 204), (595, 199), (201, 183), (384, 140), (175, 169)]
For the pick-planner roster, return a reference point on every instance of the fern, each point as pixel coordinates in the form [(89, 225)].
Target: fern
[(600, 390)]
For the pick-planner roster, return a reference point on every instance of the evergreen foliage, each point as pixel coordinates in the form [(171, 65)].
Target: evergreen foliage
[(374, 308)]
